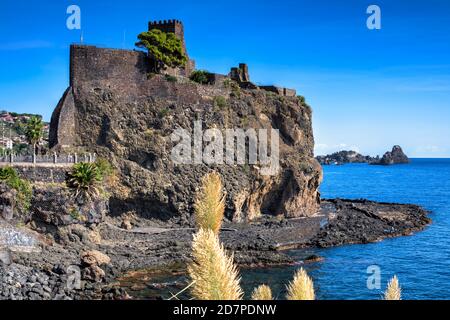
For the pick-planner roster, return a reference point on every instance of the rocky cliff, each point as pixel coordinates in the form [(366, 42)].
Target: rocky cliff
[(115, 108)]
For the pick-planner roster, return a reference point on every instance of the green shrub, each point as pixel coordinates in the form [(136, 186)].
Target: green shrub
[(85, 180), (23, 187), (220, 102), (104, 167), (302, 102), (234, 86), (200, 76), (227, 83), (245, 121), (7, 173), (75, 214), (165, 49), (170, 78), (163, 113)]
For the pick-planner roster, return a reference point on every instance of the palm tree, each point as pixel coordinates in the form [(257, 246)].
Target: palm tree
[(34, 131)]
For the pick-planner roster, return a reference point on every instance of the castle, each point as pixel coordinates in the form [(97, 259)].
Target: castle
[(239, 74), (127, 72)]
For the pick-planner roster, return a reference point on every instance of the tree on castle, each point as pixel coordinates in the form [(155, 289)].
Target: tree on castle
[(165, 49)]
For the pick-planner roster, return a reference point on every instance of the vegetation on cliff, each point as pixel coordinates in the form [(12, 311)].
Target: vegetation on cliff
[(84, 179), (87, 180), (200, 76), (22, 187), (164, 48)]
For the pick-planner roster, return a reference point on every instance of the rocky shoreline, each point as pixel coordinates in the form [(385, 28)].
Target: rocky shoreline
[(106, 252)]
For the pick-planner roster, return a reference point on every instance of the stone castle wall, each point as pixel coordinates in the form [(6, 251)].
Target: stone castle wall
[(279, 90), (91, 64), (123, 70)]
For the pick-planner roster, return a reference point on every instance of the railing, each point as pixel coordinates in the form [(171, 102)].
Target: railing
[(48, 159)]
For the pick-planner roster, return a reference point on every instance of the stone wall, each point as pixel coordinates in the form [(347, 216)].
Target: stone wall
[(122, 70), (281, 91), (45, 174), (119, 67)]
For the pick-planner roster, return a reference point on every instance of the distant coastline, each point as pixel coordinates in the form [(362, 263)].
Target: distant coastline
[(396, 156)]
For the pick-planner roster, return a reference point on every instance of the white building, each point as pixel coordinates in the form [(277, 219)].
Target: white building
[(6, 143)]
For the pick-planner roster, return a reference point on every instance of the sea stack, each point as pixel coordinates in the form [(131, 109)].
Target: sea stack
[(396, 156)]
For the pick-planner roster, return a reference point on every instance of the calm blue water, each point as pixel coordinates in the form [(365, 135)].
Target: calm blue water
[(421, 261)]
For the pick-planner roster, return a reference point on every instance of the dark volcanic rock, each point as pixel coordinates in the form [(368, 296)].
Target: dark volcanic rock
[(20, 282), (164, 246), (363, 221), (55, 205), (396, 156), (7, 201)]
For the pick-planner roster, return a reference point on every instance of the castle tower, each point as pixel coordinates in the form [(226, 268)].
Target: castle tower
[(176, 27), (173, 26)]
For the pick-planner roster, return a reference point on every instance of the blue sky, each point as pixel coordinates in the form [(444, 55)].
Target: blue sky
[(369, 89)]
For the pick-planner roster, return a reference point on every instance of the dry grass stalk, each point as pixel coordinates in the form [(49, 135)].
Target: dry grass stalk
[(301, 288), (210, 203), (393, 291), (262, 292), (213, 272)]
